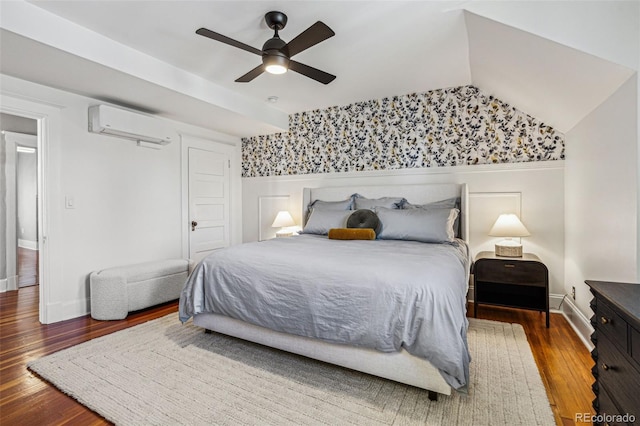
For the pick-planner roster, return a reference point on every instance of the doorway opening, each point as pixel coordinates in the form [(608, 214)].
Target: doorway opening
[(19, 165)]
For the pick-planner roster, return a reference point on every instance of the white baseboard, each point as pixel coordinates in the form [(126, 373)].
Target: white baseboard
[(61, 311), (580, 324), (28, 244), (9, 284), (555, 301)]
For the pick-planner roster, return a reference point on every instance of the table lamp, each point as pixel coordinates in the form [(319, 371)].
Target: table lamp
[(508, 226), (283, 220)]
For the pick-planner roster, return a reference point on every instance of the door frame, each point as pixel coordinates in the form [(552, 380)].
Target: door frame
[(48, 119), (232, 149)]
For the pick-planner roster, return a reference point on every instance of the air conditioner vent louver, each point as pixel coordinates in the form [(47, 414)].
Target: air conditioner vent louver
[(127, 124)]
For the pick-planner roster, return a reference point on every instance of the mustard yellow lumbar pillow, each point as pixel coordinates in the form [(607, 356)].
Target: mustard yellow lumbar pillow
[(352, 234)]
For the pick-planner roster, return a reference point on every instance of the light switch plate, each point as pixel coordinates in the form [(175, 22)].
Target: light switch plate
[(69, 202)]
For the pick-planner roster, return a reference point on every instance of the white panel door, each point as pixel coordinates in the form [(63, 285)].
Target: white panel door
[(208, 202)]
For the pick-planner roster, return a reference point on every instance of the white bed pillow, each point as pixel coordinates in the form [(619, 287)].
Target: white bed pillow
[(320, 221), (425, 225)]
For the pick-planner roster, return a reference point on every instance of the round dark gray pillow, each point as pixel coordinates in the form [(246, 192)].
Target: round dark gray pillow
[(363, 218)]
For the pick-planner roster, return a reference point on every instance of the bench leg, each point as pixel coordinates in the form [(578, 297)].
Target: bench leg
[(433, 396)]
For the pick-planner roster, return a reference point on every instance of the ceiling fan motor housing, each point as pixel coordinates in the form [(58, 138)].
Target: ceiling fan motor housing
[(275, 52)]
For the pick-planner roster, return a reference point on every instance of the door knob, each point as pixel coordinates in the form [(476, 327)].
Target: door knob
[(193, 225)]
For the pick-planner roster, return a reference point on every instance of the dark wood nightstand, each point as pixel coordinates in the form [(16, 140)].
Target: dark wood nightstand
[(515, 282)]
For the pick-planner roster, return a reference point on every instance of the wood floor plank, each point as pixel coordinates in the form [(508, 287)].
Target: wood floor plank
[(562, 359), (27, 267)]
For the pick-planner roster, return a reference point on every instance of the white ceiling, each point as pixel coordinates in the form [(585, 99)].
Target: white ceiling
[(145, 54), (545, 79), (383, 49)]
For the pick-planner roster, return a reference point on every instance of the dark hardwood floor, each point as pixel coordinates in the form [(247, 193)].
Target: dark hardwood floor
[(25, 399), (27, 267)]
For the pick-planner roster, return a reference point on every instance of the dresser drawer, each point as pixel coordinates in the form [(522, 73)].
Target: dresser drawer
[(635, 344), (620, 379), (606, 407), (515, 272), (611, 325)]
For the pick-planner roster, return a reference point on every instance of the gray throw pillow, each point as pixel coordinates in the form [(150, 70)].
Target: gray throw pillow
[(364, 218), (425, 225)]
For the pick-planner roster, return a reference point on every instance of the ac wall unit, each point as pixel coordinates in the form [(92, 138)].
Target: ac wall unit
[(123, 123)]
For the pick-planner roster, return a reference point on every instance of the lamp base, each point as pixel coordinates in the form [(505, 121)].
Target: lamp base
[(283, 233), (509, 250)]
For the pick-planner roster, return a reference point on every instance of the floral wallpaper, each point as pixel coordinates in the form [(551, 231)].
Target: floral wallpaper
[(446, 127)]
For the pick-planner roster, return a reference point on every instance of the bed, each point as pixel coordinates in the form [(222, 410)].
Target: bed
[(391, 308)]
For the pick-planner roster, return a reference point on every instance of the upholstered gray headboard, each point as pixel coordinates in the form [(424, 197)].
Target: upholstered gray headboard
[(415, 194)]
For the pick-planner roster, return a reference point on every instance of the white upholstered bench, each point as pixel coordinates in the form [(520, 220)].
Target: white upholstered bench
[(117, 291)]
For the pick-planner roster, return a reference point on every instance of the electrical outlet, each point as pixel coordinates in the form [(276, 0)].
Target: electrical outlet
[(573, 292)]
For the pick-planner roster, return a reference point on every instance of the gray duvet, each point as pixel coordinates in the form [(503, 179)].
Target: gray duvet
[(380, 294)]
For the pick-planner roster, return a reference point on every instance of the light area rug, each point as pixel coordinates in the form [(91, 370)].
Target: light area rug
[(166, 373)]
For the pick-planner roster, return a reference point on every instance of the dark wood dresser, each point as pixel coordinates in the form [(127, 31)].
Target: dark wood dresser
[(617, 352)]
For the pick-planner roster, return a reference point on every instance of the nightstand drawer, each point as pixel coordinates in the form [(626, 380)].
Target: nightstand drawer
[(511, 272), (619, 377), (611, 325)]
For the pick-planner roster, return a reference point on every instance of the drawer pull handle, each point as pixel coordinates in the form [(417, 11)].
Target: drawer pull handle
[(605, 367), (605, 320), (507, 265)]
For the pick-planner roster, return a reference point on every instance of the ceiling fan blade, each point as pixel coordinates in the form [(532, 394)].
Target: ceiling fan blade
[(310, 37), (251, 74), (224, 39), (314, 73)]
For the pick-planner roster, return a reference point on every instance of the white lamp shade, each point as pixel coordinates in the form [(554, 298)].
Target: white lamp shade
[(508, 225), (283, 218)]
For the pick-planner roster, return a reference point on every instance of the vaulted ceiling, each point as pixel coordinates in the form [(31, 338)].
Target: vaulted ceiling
[(146, 55)]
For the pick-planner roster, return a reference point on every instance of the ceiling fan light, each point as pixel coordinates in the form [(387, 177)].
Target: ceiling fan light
[(275, 64), (275, 69)]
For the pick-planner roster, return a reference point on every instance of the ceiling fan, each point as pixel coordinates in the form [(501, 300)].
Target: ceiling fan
[(276, 53)]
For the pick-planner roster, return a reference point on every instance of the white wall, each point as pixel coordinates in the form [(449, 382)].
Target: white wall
[(601, 195), (127, 199), (537, 189)]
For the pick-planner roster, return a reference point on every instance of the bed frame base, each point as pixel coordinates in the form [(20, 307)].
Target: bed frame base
[(397, 366)]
